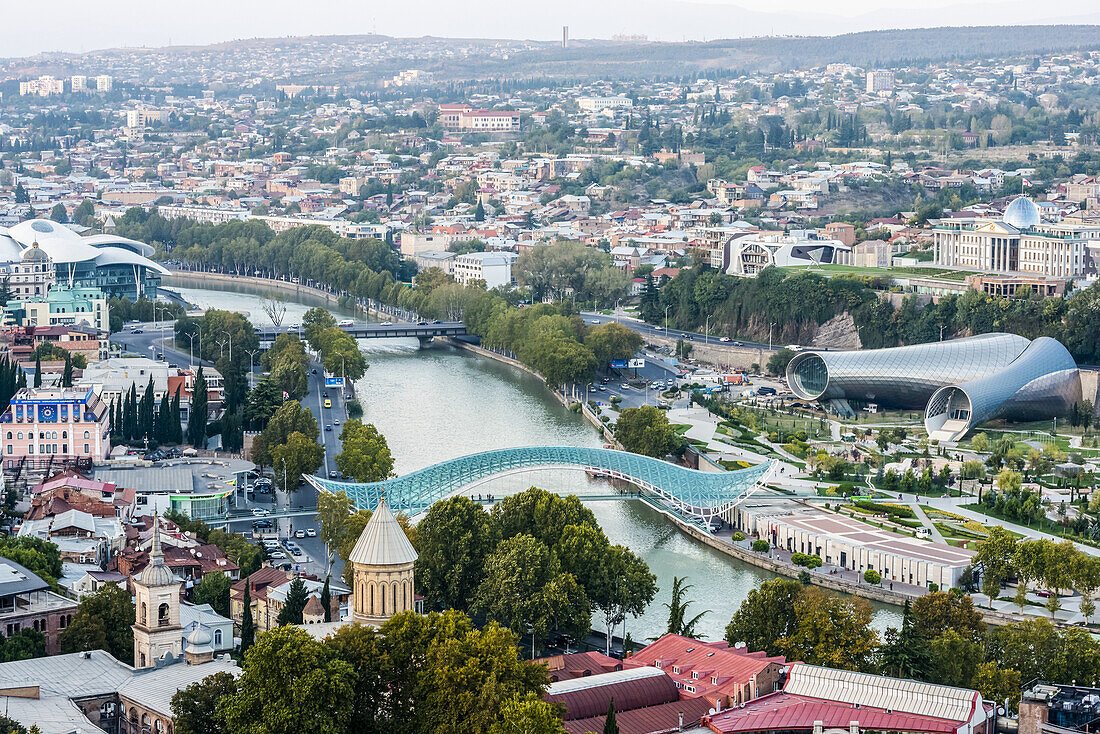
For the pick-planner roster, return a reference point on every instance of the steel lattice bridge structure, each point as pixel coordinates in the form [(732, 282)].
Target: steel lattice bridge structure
[(700, 494)]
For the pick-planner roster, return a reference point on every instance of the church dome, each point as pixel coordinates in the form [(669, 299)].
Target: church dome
[(383, 542), (34, 253), (1022, 213), (157, 572), (198, 639)]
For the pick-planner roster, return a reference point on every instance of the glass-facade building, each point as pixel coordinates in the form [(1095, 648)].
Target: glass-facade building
[(959, 383)]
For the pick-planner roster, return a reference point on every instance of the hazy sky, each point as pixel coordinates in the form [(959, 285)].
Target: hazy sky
[(77, 26)]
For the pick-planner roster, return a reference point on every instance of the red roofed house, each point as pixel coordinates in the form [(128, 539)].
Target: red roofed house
[(579, 665), (819, 700), (725, 676)]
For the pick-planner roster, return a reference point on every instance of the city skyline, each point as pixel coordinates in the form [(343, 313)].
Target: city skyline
[(115, 23)]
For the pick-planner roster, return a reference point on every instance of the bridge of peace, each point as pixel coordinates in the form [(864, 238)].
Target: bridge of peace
[(693, 493)]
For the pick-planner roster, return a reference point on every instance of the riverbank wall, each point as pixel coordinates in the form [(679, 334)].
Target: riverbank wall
[(224, 281)]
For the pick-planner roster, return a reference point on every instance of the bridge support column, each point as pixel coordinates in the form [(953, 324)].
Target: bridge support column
[(424, 340)]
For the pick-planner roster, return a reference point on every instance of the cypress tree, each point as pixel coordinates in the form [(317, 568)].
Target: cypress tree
[(38, 370), (296, 598), (248, 627), (67, 375), (326, 600), (148, 412), (196, 426), (609, 725), (164, 420), (176, 420)]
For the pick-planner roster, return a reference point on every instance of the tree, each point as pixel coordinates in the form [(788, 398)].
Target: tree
[(936, 612), (523, 589), (609, 725), (299, 455), (248, 626), (612, 341), (37, 370), (365, 456), (646, 431), (195, 708), (40, 557), (540, 514), (291, 683), (997, 684), (980, 442), (953, 658), (334, 511), (453, 541), (316, 321), (67, 372), (59, 214), (678, 624), (213, 589), (196, 422), (25, 644), (290, 417), (326, 600), (832, 630), (102, 622), (623, 585), (995, 553), (777, 363), (528, 714), (765, 616), (296, 598)]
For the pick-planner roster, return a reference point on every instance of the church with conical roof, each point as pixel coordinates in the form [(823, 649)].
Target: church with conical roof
[(383, 561)]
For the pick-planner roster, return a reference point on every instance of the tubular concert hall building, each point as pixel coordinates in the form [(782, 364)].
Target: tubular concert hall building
[(116, 265), (960, 383)]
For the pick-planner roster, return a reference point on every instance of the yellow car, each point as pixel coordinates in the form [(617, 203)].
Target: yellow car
[(328, 403)]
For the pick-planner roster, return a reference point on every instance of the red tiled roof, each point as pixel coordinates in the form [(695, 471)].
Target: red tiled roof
[(682, 657), (788, 711)]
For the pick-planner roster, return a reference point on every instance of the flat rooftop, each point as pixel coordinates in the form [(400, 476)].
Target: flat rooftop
[(850, 530)]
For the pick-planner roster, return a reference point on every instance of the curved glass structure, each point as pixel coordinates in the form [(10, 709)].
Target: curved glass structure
[(701, 494), (1041, 383), (959, 383), (903, 377)]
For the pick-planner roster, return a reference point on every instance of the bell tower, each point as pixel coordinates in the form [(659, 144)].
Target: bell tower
[(157, 613), (383, 561)]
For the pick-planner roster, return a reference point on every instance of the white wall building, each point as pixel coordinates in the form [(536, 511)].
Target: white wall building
[(599, 104), (495, 268)]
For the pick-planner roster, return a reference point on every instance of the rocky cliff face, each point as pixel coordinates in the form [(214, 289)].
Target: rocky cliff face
[(838, 332)]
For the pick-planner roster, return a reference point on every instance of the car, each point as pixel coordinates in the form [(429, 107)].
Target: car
[(605, 379), (386, 323), (601, 388), (328, 403), (327, 426), (278, 554), (724, 339), (658, 328), (738, 344), (345, 323), (333, 475), (137, 331), (765, 391), (624, 386), (296, 552), (300, 534), (258, 512), (437, 321), (336, 422), (311, 533)]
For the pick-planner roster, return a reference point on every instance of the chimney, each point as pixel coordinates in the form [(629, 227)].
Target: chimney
[(681, 721)]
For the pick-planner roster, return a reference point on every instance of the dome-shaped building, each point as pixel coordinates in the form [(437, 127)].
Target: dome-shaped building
[(1022, 214), (198, 646), (383, 560)]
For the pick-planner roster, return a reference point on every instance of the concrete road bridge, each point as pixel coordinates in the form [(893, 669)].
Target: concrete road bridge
[(699, 494), (423, 332)]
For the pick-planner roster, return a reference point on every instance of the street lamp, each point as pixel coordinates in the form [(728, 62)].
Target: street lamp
[(770, 334), (666, 318), (251, 353), (191, 347), (228, 334), (706, 335)]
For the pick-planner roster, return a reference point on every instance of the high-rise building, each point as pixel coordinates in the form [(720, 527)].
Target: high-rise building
[(43, 86), (104, 83), (565, 36), (880, 81), (79, 83)]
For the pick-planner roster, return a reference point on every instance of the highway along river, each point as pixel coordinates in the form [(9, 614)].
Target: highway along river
[(441, 403)]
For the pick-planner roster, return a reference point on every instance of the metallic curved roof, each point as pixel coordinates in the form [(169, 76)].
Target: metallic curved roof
[(120, 256), (959, 383), (907, 376), (65, 246), (1041, 383), (1022, 214), (697, 493)]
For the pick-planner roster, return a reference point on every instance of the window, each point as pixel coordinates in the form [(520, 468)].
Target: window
[(217, 638), (87, 435), (163, 616), (9, 435)]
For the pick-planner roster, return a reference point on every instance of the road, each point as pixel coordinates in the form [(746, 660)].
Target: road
[(691, 336)]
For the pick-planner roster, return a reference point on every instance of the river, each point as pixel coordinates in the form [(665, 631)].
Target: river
[(441, 403)]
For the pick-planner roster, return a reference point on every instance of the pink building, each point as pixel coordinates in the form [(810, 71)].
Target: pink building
[(65, 425)]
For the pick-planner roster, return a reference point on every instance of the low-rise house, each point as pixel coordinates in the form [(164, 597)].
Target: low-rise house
[(26, 602)]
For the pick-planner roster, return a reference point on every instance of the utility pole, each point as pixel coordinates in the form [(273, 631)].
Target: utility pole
[(770, 335), (251, 353)]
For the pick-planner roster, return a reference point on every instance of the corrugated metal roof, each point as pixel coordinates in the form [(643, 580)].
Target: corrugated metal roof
[(893, 694), (630, 689), (15, 579), (658, 719), (154, 688), (782, 711)]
